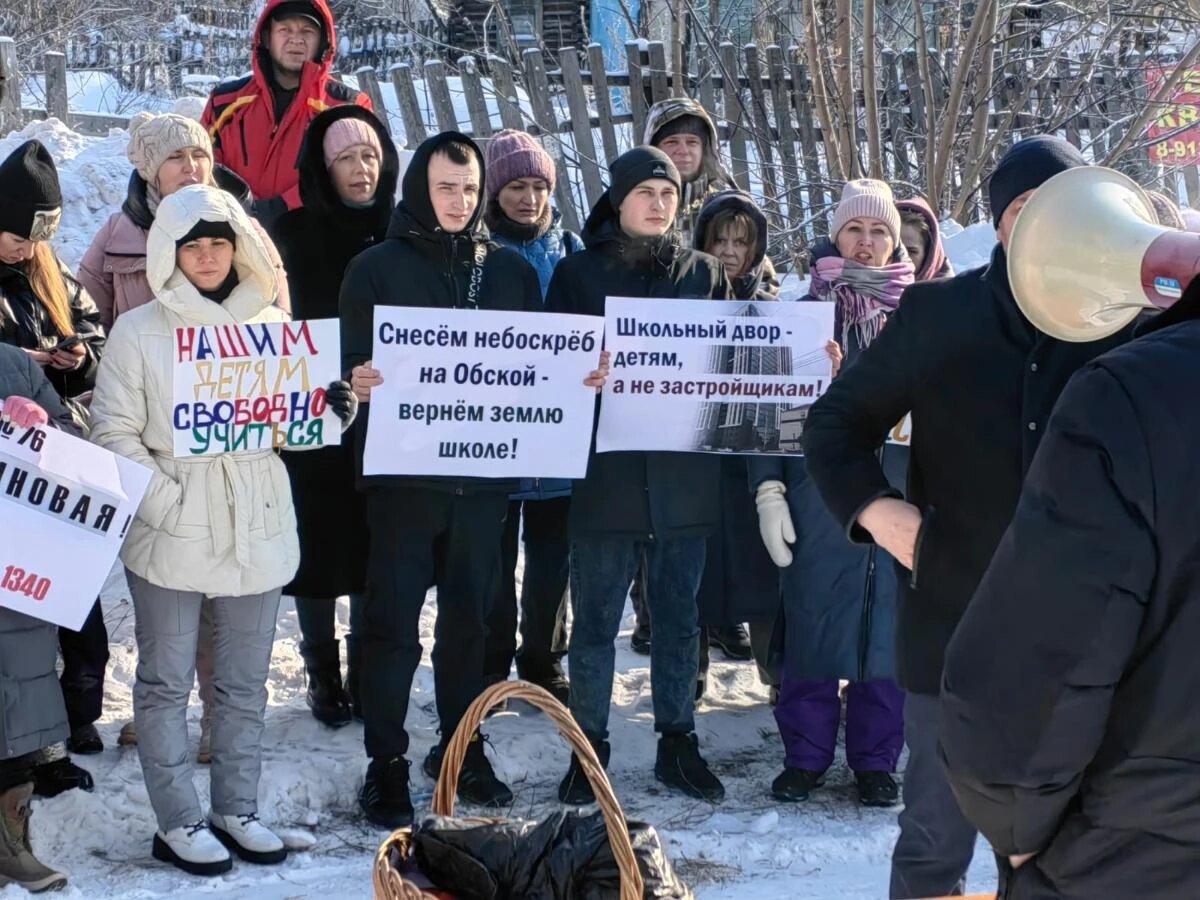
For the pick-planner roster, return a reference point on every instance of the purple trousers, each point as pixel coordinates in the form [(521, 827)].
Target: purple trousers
[(808, 714)]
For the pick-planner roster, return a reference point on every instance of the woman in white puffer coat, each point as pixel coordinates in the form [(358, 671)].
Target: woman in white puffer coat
[(220, 527)]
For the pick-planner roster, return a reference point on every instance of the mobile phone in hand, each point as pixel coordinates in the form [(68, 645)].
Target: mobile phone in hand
[(68, 342)]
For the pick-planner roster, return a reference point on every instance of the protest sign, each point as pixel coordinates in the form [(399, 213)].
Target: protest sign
[(481, 393), (65, 507), (712, 376), (255, 386)]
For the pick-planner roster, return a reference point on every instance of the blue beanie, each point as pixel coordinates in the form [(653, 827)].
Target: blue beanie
[(1027, 165)]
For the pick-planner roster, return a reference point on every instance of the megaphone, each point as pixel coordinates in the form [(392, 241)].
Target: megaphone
[(1086, 255)]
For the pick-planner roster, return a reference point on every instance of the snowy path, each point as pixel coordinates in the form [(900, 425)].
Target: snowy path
[(748, 847)]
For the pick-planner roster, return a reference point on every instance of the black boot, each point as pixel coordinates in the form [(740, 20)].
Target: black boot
[(549, 677), (384, 797), (53, 778), (477, 781), (877, 789), (327, 697), (575, 789), (85, 740), (732, 640), (680, 766), (795, 785)]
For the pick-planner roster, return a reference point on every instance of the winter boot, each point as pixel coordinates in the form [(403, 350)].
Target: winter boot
[(680, 766), (795, 785), (86, 740), (327, 697), (877, 789), (575, 789), (639, 641), (384, 798), (548, 676), (128, 735), (192, 848), (477, 782), (248, 838), (731, 640), (18, 865), (53, 778)]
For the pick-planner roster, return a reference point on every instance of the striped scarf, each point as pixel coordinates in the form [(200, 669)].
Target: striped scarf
[(865, 295)]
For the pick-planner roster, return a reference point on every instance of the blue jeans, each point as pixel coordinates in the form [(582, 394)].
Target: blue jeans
[(602, 570)]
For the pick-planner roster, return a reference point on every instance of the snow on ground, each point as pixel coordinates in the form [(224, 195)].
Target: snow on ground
[(747, 847)]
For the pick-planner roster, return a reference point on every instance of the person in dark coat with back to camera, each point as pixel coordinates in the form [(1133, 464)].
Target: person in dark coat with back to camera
[(661, 506), (519, 216), (348, 172), (980, 382), (839, 600), (46, 313), (35, 716), (1081, 771), (428, 530), (740, 582)]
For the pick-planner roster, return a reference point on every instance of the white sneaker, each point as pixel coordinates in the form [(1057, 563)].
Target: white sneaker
[(249, 838), (193, 848)]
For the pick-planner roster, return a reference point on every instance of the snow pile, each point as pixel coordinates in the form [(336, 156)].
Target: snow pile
[(970, 247), (92, 91)]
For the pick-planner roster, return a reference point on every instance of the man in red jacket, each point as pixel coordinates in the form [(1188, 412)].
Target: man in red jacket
[(257, 122)]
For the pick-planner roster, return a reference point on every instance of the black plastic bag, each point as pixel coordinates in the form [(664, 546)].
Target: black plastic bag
[(564, 857)]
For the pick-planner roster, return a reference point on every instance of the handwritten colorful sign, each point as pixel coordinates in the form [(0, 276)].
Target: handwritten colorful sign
[(1175, 132), (255, 386), (65, 508)]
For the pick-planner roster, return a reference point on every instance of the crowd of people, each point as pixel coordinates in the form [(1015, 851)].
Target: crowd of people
[(843, 573)]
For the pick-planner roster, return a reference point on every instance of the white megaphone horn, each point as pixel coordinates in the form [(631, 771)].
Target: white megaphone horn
[(1086, 255)]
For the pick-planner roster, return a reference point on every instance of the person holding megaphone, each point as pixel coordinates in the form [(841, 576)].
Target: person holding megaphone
[(1074, 748), (980, 381)]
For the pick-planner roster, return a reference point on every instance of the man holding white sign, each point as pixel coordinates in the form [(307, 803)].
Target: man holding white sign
[(430, 522), (661, 504)]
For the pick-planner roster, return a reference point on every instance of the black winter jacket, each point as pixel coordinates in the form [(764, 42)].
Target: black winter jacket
[(419, 264), (636, 495), (25, 323), (1069, 698), (316, 242), (980, 382)]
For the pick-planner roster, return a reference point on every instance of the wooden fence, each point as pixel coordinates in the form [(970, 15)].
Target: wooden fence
[(763, 102)]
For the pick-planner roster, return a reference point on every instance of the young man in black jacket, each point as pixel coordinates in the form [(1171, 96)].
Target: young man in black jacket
[(1069, 723), (428, 530), (980, 382), (660, 504)]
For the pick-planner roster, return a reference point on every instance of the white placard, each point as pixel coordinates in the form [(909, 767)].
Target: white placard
[(65, 508), (481, 393), (255, 386), (712, 376)]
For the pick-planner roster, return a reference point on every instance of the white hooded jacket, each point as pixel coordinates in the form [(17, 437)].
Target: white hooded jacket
[(220, 525)]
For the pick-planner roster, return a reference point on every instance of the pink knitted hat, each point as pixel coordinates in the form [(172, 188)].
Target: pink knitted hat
[(516, 154), (866, 198), (348, 132)]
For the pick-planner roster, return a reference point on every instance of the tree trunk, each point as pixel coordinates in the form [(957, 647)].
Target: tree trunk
[(816, 70), (844, 86), (871, 93)]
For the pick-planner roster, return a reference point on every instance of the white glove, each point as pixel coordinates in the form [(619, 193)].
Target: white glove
[(775, 522)]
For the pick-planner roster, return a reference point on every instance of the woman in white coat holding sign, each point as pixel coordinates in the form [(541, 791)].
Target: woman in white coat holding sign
[(219, 526)]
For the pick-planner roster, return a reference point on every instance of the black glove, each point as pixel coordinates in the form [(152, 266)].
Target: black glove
[(342, 401)]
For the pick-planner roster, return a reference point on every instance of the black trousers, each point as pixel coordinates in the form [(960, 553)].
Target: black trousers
[(422, 537), (543, 602), (85, 658)]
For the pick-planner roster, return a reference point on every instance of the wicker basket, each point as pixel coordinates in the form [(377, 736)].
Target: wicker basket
[(391, 880)]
